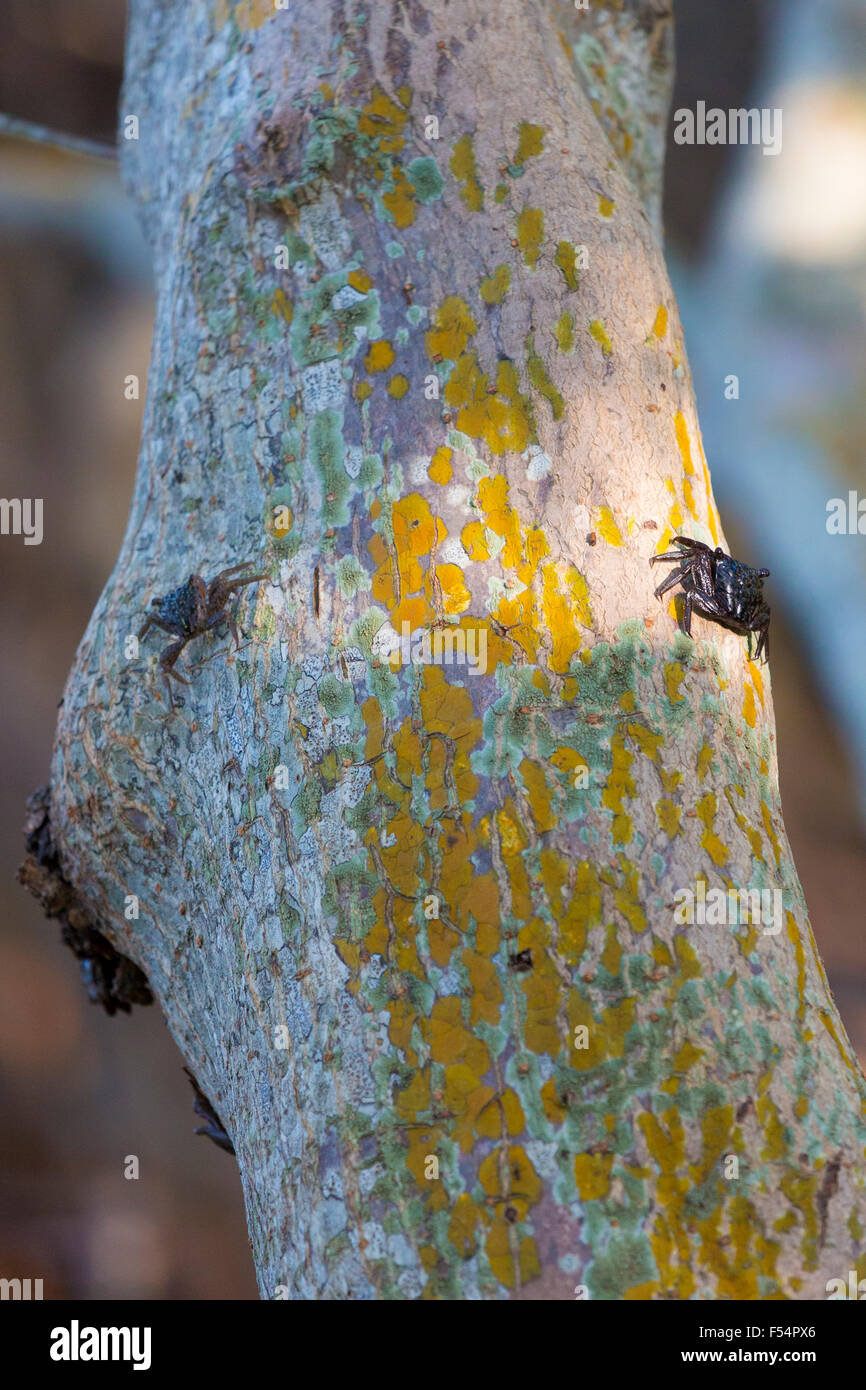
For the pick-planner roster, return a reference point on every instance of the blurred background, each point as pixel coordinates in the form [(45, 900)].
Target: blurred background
[(768, 259)]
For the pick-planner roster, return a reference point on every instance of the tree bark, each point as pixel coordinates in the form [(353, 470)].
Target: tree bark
[(414, 927)]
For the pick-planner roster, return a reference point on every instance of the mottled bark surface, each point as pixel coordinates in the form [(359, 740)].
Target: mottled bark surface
[(378, 906)]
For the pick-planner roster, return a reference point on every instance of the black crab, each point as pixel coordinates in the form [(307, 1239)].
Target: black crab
[(194, 608), (719, 587)]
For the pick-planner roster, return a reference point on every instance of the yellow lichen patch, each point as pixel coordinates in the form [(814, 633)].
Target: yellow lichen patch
[(462, 1227), (749, 705), (689, 497), (415, 531), (407, 749), (414, 1097), (371, 712), (752, 835), (668, 814), (553, 1108), (464, 170), (493, 288), (424, 1141), (363, 391), (605, 206), (661, 952), (443, 941), (383, 119), (282, 521), (607, 1031), (682, 433), (541, 381), (398, 386), (510, 1175), (592, 1175), (382, 583), (486, 998), (627, 895), (775, 1145), (564, 613), (503, 1262), (465, 1096), (802, 1190), (448, 709), (455, 597), (612, 953), (530, 142), (674, 676), (502, 1116), (541, 990), (757, 680), (566, 261), (450, 1040), (660, 324), (800, 957), (500, 517), (453, 326), (379, 356), (705, 759), (563, 332), (669, 1238), (401, 201), (512, 836), (360, 281), (689, 965), (582, 911), (400, 859), (441, 470), (619, 786), (599, 333), (845, 1053), (503, 420), (539, 795), (416, 612), (474, 541), (458, 882), (647, 740), (252, 14), (499, 651), (686, 1058), (571, 763), (706, 809), (535, 547), (530, 234), (282, 305), (607, 527), (771, 832)]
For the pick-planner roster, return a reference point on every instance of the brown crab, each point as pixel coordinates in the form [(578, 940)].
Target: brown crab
[(192, 609)]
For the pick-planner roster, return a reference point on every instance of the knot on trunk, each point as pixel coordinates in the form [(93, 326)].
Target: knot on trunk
[(111, 979)]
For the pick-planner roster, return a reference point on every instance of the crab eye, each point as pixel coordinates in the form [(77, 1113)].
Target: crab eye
[(764, 574)]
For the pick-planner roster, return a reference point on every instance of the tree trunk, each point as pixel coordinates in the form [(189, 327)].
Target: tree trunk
[(416, 926)]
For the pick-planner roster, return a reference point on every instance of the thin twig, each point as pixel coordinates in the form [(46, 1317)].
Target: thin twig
[(14, 127)]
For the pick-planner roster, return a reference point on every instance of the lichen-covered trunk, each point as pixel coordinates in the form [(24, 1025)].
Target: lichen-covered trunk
[(415, 913)]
